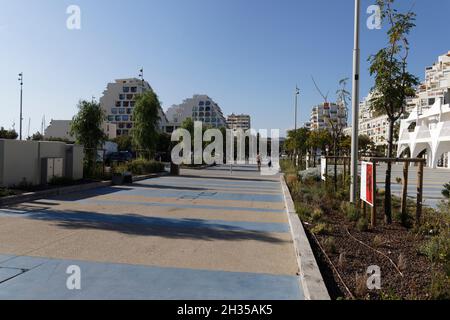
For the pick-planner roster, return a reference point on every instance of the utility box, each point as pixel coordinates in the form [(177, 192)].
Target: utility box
[(51, 168)]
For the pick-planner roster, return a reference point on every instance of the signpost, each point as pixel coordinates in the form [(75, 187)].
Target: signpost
[(367, 183), (323, 168)]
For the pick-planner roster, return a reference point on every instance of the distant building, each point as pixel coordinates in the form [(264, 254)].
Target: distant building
[(240, 121), (324, 114), (199, 108), (60, 129), (118, 101)]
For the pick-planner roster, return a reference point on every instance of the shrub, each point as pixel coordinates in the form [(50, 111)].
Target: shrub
[(322, 228), (61, 181), (317, 215), (362, 225), (350, 211), (446, 191), (303, 211), (440, 287), (142, 166), (6, 192), (329, 245), (377, 241), (120, 169), (437, 249)]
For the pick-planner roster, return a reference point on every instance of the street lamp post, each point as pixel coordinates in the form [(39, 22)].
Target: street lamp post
[(297, 92), (141, 76), (21, 99), (355, 108)]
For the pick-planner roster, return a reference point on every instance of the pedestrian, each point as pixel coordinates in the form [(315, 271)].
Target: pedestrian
[(258, 161)]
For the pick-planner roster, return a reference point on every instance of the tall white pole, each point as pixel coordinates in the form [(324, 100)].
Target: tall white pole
[(21, 99), (355, 109)]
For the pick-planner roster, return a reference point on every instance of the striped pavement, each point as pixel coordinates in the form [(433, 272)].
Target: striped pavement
[(208, 234)]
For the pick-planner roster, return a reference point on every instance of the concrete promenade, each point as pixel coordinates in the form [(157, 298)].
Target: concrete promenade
[(207, 234)]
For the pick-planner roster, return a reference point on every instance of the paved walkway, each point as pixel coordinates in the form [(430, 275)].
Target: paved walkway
[(205, 235)]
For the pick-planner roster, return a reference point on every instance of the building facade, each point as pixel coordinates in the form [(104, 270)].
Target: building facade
[(60, 129), (374, 126), (118, 101), (326, 113), (240, 121), (199, 108), (426, 132)]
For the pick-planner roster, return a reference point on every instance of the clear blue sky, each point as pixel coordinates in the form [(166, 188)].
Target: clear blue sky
[(247, 55)]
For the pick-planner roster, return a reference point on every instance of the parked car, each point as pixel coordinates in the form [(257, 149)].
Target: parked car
[(122, 156)]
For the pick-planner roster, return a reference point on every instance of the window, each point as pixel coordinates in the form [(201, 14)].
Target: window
[(114, 110), (201, 103), (118, 103), (122, 97), (134, 89), (129, 111), (208, 103), (121, 125), (110, 118), (208, 109), (119, 132), (118, 118), (122, 111), (126, 89), (126, 103), (130, 97), (132, 103), (201, 109), (125, 118), (129, 125)]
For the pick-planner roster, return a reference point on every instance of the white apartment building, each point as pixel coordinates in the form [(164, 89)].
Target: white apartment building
[(60, 129), (239, 121), (427, 130), (118, 101), (373, 126), (327, 112), (199, 108)]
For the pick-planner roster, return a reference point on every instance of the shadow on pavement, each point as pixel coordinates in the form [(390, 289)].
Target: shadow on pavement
[(90, 193), (132, 224), (242, 179)]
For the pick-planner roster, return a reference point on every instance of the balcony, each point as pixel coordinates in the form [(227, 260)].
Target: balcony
[(445, 132), (423, 134)]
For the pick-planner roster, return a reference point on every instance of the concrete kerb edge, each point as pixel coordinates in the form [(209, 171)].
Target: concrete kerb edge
[(32, 196), (310, 277)]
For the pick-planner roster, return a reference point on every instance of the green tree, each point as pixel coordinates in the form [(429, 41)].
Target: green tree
[(318, 139), (393, 82), (365, 144), (86, 128), (8, 134), (146, 119), (124, 142), (36, 137), (297, 141)]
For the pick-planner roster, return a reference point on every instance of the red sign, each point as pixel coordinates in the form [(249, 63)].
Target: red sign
[(367, 185)]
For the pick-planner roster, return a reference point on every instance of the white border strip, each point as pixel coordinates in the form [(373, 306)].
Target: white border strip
[(311, 279)]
